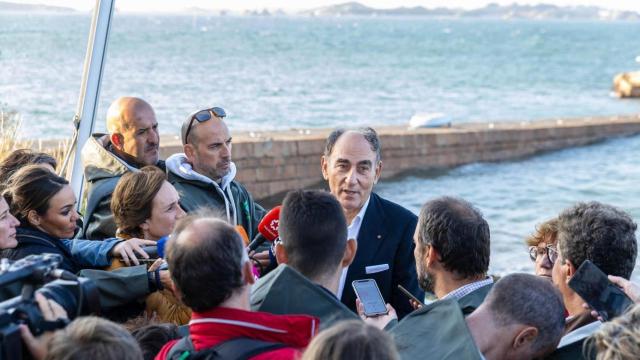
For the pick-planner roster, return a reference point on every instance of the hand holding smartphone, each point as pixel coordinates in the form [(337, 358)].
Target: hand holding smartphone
[(415, 300), (369, 295), (598, 292)]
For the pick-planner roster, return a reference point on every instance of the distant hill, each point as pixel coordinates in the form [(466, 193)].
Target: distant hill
[(15, 7), (495, 11)]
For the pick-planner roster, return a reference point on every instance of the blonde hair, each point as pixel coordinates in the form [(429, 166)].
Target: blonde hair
[(352, 340), (545, 231), (618, 339)]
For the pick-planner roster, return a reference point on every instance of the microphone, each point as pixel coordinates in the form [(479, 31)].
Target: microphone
[(267, 229)]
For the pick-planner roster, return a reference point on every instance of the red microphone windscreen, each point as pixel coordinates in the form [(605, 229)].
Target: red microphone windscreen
[(268, 227)]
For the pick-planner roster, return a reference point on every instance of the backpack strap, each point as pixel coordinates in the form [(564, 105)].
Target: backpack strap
[(234, 349), (237, 349), (181, 349)]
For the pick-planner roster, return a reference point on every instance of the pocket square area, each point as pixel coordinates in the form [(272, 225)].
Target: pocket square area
[(376, 268)]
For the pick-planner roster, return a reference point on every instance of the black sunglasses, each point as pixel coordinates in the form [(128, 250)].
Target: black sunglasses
[(202, 116)]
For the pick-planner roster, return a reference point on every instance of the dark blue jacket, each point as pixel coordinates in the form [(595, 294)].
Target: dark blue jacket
[(76, 254), (386, 237)]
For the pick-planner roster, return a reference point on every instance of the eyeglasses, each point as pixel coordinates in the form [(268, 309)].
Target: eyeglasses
[(549, 251), (202, 116)]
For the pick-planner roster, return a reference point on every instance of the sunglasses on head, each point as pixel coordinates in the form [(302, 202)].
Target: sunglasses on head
[(202, 116)]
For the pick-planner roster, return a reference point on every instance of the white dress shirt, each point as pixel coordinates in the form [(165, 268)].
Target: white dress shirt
[(352, 233)]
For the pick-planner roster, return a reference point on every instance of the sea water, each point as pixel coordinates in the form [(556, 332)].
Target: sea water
[(296, 72)]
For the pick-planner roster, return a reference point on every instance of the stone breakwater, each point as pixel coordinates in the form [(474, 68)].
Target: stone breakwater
[(271, 163)]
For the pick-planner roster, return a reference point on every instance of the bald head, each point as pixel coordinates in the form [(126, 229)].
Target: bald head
[(206, 258), (133, 130)]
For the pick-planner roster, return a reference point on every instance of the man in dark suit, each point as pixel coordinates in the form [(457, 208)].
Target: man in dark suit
[(352, 164)]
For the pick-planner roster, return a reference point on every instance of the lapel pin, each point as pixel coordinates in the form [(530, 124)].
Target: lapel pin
[(379, 236)]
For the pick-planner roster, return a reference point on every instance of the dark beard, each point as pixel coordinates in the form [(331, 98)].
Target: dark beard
[(426, 282)]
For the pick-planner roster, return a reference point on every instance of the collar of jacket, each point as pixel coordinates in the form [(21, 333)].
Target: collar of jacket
[(28, 235), (208, 328), (178, 165)]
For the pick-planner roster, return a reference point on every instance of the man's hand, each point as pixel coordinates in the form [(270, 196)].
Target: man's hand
[(414, 304), (632, 290), (51, 311), (128, 249), (165, 280), (379, 321), (262, 258)]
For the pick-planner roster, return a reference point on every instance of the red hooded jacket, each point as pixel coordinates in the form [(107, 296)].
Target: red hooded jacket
[(210, 328)]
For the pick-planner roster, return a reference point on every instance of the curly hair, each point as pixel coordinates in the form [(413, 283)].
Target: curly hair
[(601, 233), (546, 232)]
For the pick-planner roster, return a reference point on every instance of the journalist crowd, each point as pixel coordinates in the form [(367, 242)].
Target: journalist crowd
[(174, 259)]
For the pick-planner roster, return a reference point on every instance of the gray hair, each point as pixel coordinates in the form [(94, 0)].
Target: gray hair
[(529, 300), (368, 133), (93, 338)]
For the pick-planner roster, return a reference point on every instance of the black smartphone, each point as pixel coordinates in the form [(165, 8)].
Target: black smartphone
[(370, 297), (594, 287), (410, 295)]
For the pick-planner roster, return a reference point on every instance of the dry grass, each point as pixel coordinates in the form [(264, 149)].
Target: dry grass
[(10, 122)]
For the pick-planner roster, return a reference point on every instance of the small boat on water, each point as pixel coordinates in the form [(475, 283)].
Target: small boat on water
[(429, 120)]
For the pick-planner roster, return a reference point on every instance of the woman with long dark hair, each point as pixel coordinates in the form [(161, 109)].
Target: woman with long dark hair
[(44, 203)]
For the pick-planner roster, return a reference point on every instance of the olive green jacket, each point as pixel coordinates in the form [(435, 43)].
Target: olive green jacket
[(119, 287), (435, 331), (284, 291), (474, 299)]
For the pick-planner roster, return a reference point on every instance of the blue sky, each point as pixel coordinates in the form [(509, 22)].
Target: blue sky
[(174, 5)]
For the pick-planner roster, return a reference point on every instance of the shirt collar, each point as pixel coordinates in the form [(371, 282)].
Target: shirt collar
[(467, 289), (358, 219)]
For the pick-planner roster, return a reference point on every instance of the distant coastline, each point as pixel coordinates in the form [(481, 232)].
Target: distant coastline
[(490, 11), (16, 7)]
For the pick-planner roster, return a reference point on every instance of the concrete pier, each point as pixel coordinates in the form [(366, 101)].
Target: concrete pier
[(271, 163)]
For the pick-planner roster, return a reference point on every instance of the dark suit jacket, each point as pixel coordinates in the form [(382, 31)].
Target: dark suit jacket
[(386, 237)]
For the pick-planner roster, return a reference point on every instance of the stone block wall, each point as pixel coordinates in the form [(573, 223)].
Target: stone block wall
[(270, 164)]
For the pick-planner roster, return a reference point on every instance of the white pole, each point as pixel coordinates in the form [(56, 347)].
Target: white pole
[(88, 100)]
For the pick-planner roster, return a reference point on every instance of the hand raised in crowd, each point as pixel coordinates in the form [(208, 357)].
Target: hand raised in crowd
[(631, 289), (165, 275), (380, 321), (51, 311), (128, 249), (262, 259)]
